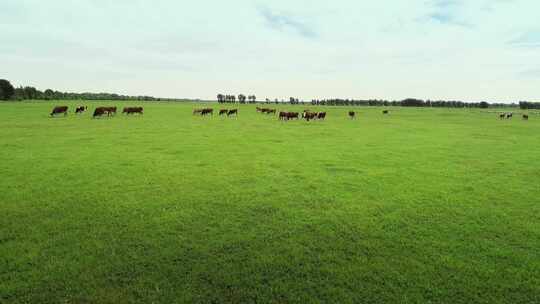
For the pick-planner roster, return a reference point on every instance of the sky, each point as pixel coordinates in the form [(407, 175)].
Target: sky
[(388, 49)]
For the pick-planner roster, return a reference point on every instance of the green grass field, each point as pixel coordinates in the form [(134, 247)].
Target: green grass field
[(422, 206)]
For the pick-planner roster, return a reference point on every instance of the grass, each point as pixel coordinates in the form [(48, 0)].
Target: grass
[(421, 206)]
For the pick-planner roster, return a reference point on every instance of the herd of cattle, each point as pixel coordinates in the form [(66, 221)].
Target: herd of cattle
[(284, 116), (307, 114), (98, 112), (208, 111)]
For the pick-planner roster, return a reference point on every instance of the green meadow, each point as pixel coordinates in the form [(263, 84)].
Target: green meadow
[(420, 206)]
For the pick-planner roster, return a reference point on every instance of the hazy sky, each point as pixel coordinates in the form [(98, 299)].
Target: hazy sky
[(392, 49)]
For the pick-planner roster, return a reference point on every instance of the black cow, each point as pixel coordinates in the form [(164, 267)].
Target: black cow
[(352, 114), (232, 112), (525, 117), (385, 112), (80, 110), (223, 112)]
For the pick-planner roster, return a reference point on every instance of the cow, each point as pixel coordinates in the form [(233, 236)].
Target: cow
[(309, 115), (59, 110), (502, 116), (288, 115), (197, 111), (525, 117), (385, 112), (109, 110), (321, 115), (80, 110), (293, 115), (98, 112), (207, 112), (232, 112), (509, 115), (352, 114), (223, 112), (135, 110), (271, 111)]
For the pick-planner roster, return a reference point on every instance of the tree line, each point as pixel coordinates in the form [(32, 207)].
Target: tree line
[(224, 98), (8, 92), (525, 105), (410, 102)]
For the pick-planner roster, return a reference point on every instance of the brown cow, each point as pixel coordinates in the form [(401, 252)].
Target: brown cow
[(59, 110), (207, 111), (98, 112), (134, 110), (288, 115), (109, 110), (321, 115), (223, 112), (232, 112), (309, 115)]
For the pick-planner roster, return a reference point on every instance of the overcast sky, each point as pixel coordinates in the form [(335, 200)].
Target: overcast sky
[(393, 49)]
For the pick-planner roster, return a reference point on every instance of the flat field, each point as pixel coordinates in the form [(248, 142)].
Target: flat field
[(420, 206)]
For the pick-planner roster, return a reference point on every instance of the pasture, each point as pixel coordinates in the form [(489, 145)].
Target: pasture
[(419, 206)]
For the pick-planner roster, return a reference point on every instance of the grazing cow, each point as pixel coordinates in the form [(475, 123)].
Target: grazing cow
[(207, 112), (100, 111), (259, 109), (385, 112), (271, 111), (223, 112), (321, 115), (502, 116), (232, 112), (60, 110), (197, 111), (109, 110), (80, 110), (288, 115), (135, 110), (525, 117), (352, 114), (309, 115), (293, 115), (509, 115)]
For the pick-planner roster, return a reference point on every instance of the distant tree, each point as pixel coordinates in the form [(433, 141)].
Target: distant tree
[(411, 102), (6, 90), (484, 105), (220, 98), (242, 98), (49, 94)]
